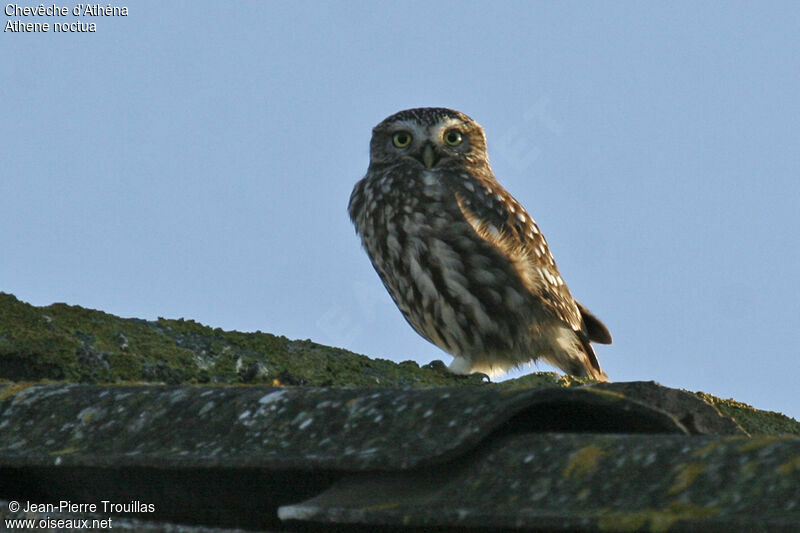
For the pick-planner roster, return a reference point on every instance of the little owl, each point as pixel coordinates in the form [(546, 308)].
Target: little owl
[(462, 259)]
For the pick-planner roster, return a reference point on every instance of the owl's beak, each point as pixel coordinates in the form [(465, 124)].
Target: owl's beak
[(428, 156)]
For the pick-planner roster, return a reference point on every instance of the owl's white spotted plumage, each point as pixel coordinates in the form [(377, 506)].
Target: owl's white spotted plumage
[(462, 259)]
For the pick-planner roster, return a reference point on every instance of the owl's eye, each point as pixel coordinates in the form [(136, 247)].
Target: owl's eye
[(453, 137), (401, 139)]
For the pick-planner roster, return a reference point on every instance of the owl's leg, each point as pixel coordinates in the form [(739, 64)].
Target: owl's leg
[(460, 366), (466, 367)]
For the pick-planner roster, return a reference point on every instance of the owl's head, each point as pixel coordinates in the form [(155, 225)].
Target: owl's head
[(428, 137)]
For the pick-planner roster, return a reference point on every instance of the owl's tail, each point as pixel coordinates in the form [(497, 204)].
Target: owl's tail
[(572, 352), (593, 369), (597, 332)]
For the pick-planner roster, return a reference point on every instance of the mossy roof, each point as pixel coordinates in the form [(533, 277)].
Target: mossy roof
[(95, 406), (68, 343)]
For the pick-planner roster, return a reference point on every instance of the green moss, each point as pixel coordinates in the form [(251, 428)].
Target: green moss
[(536, 380), (123, 366), (70, 343), (543, 379), (225, 364), (754, 421), (30, 347)]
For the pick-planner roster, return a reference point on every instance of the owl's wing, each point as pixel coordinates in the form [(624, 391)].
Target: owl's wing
[(500, 220), (492, 205)]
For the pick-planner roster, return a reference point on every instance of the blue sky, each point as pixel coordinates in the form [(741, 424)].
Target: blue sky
[(195, 159)]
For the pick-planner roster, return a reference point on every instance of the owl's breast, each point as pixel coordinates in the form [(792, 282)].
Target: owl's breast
[(404, 199), (454, 287)]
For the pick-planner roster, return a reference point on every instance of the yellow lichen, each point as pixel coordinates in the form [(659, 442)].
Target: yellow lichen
[(749, 468), (756, 443), (610, 394), (583, 461), (65, 451), (654, 520), (708, 448), (381, 506), (685, 476), (789, 466), (621, 521), (10, 389)]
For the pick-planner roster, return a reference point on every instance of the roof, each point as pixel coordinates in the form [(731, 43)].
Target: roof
[(425, 451)]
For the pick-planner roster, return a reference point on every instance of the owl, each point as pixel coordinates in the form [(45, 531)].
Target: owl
[(465, 263)]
